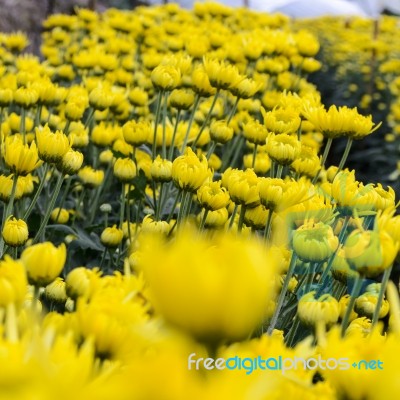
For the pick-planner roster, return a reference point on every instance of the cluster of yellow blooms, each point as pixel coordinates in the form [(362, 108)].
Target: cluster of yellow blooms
[(180, 157)]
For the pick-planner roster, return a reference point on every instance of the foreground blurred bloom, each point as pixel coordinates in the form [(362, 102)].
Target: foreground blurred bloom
[(20, 158), (13, 284), (44, 262), (314, 242), (220, 286), (15, 232), (311, 311)]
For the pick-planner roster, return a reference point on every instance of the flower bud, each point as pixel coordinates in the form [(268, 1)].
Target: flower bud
[(161, 170), (311, 311), (181, 99), (124, 169), (111, 237), (366, 304), (220, 132), (15, 232), (215, 219), (90, 177), (136, 133), (55, 291), (166, 77), (71, 162), (189, 171), (51, 146), (314, 242), (81, 282), (43, 262), (6, 97), (105, 208), (283, 148), (359, 326), (59, 216), (343, 304), (212, 196)]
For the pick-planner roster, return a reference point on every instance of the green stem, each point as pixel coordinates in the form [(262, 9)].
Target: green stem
[(299, 131), (35, 299), (37, 194), (345, 154), (8, 210), (310, 276), (1, 138), (160, 199), (232, 113), (103, 257), (208, 117), (66, 127), (157, 117), (49, 208), (64, 196), (89, 117), (228, 151), (237, 151), (203, 220), (279, 171), (328, 267), (272, 169), (191, 119), (233, 216), (128, 212), (178, 196), (354, 294), (171, 149), (122, 209), (324, 157), (164, 118), (267, 230), (292, 332), (211, 149), (385, 280), (282, 294), (241, 217), (38, 115), (182, 207), (253, 163), (22, 124), (98, 194)]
